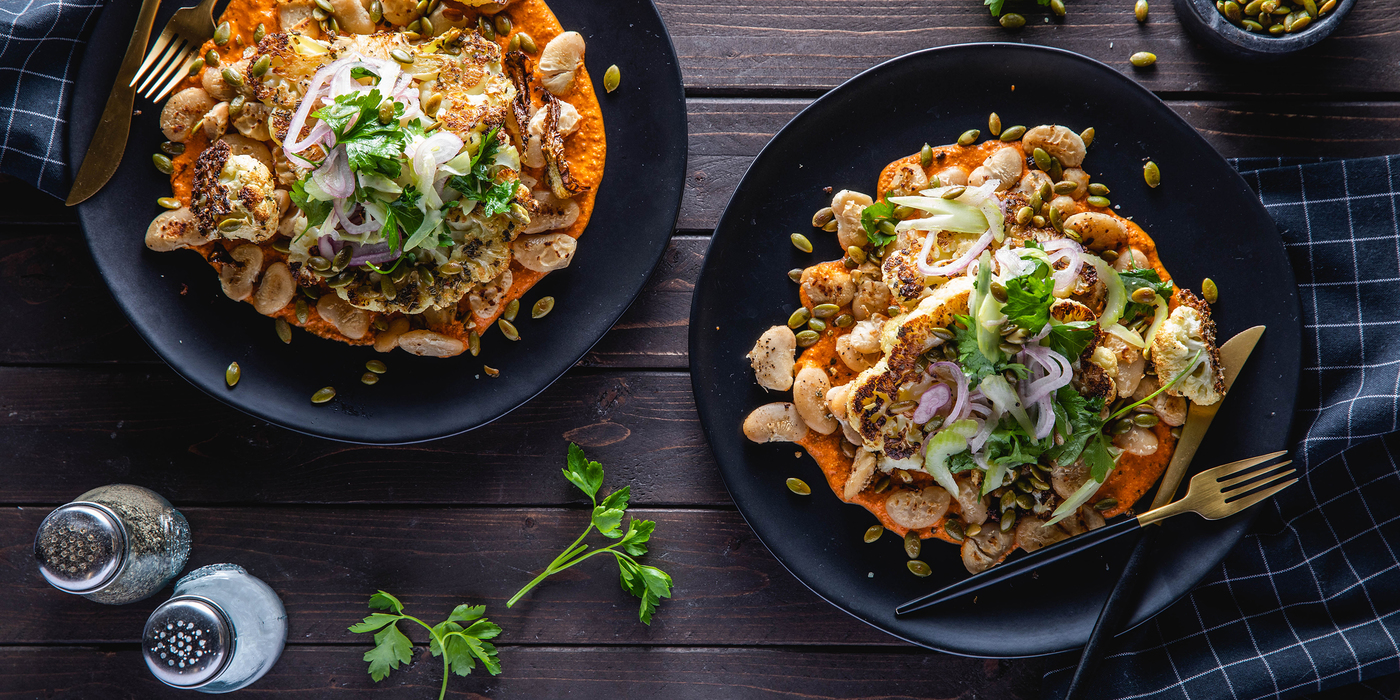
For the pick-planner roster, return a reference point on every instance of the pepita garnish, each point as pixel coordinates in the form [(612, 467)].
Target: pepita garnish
[(799, 487), (808, 338), (1065, 187), (1106, 504), (801, 243), (825, 310), (1209, 291), (1023, 215), (817, 325), (953, 192), (969, 137), (795, 274), (284, 330), (822, 217), (369, 379), (196, 67), (1041, 158), (1140, 11), (1008, 520), (484, 26), (262, 65), (844, 321), (169, 202), (222, 33), (542, 307), (912, 545), (612, 78), (376, 366), (925, 156), (259, 33), (919, 568), (232, 374), (954, 529), (323, 395), (873, 533), (1013, 133), (1011, 20), (994, 124), (1096, 201), (511, 310), (799, 318), (376, 12), (1087, 136), (1098, 189), (1142, 59), (303, 310), (1151, 174), (508, 329), (163, 163), (882, 484), (1144, 295), (402, 56), (211, 58), (232, 77), (474, 343), (527, 43)]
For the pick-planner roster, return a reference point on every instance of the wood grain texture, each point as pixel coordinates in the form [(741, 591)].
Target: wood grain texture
[(549, 673), (811, 45), (78, 428), (325, 562)]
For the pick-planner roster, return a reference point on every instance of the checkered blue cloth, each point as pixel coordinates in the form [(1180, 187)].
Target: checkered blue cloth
[(1310, 599), (40, 44)]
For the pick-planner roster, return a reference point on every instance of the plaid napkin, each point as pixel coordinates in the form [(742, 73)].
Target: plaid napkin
[(1310, 598), (40, 44)]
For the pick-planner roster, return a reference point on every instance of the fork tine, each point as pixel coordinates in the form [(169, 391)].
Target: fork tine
[(158, 78), (186, 60), (152, 54), (171, 51), (1240, 504), (1248, 476), (1225, 470)]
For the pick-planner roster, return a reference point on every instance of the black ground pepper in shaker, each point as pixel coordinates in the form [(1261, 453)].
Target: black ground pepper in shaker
[(114, 544)]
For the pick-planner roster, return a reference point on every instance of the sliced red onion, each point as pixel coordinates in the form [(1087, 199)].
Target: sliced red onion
[(951, 268), (935, 398), (1045, 422), (985, 426), (370, 224), (334, 175), (324, 245), (375, 253), (1071, 252), (1058, 373), (959, 411), (308, 101)]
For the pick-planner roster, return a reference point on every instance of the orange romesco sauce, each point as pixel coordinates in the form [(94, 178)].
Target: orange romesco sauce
[(1130, 479), (585, 149)]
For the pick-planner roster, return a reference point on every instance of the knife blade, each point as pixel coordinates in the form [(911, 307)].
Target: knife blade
[(104, 152), (1233, 354)]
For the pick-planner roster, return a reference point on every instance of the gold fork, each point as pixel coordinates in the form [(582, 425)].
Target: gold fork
[(170, 57), (1214, 494)]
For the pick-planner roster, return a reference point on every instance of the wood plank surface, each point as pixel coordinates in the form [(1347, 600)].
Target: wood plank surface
[(548, 673), (325, 563), (773, 46)]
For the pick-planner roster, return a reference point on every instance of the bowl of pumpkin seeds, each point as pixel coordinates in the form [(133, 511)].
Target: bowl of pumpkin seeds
[(1262, 29)]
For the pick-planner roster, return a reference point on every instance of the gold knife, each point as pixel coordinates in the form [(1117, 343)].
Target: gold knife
[(1233, 355), (104, 152)]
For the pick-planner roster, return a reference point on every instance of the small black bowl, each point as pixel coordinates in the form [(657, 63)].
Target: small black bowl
[(1204, 21)]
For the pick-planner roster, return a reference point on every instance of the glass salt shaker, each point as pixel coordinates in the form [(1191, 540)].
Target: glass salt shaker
[(114, 544), (222, 631)]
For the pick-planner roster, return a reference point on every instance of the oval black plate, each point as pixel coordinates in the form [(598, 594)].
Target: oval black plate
[(1204, 218), (173, 299)]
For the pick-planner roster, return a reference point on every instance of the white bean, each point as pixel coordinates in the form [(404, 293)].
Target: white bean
[(809, 394), (772, 358), (775, 422)]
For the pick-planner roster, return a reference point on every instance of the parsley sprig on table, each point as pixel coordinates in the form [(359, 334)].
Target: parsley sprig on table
[(460, 647), (996, 5), (646, 582)]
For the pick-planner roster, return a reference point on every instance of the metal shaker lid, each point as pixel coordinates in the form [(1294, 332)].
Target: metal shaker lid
[(81, 547), (187, 642)]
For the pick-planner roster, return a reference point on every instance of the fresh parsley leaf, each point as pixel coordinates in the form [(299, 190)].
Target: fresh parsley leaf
[(391, 648), (1077, 421), (466, 613), (1097, 457), (871, 218), (638, 534), (1140, 278), (1028, 298), (607, 516), (459, 648), (315, 210), (480, 184), (962, 462), (585, 474), (360, 73), (995, 6), (374, 622), (1011, 445), (372, 147), (974, 364), (405, 214), (384, 601), (1070, 339)]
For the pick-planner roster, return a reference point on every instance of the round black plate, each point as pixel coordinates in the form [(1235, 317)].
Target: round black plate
[(1204, 218), (173, 299)]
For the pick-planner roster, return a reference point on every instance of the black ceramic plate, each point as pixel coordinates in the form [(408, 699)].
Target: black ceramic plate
[(199, 331), (1204, 218)]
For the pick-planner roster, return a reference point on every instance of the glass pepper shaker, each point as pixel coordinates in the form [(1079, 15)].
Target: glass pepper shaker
[(222, 631), (114, 544)]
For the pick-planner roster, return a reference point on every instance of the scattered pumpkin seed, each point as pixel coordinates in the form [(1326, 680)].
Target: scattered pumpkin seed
[(873, 533), (1209, 291), (323, 395), (376, 366), (369, 379), (1011, 20), (474, 343), (830, 226), (235, 106), (169, 202), (302, 310), (232, 77), (822, 217), (1041, 158), (211, 58), (912, 545), (1252, 26), (426, 26), (484, 26), (1232, 11), (376, 12), (1008, 520), (1142, 59), (1013, 133), (969, 137), (1087, 136), (825, 310), (973, 530), (856, 253), (261, 66), (799, 487), (817, 325), (612, 78), (402, 56), (844, 321), (953, 192), (1098, 189), (1144, 295), (1151, 174), (1055, 221), (1300, 22), (1023, 215), (994, 124), (1039, 484), (1146, 420), (1276, 29), (1096, 201), (1024, 501), (1038, 221), (800, 242), (1008, 500), (1327, 7), (222, 33), (163, 163), (527, 43), (284, 330), (808, 338), (1106, 504), (1122, 426), (503, 24), (925, 156), (1140, 11), (259, 33), (1065, 187), (1109, 255), (512, 309), (342, 260), (508, 329), (919, 568), (882, 484), (232, 374), (542, 307), (799, 318), (954, 529), (795, 274), (196, 67)]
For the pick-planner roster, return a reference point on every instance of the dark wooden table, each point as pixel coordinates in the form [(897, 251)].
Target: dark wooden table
[(84, 402)]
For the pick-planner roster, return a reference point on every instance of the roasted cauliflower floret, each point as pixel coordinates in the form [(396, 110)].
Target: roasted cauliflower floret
[(233, 195), (1188, 331)]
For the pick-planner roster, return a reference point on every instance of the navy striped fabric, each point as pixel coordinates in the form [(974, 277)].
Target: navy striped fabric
[(1309, 601), (40, 44)]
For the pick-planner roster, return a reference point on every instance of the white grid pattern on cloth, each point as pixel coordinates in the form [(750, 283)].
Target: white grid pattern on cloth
[(40, 41), (1310, 599)]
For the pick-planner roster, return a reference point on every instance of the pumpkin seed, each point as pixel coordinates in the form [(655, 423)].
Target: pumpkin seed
[(912, 545), (1276, 29), (882, 484), (1038, 221), (1327, 7), (925, 156), (1142, 59), (1233, 11), (973, 529), (825, 310), (1023, 215), (902, 212), (943, 334), (222, 33), (1151, 174), (474, 343), (1109, 255), (235, 106), (1025, 502), (1065, 187), (313, 295), (953, 192), (808, 338), (1146, 420), (856, 253), (1087, 136), (1008, 520), (612, 78), (1140, 11), (508, 329), (1098, 189), (421, 8), (320, 16), (484, 26), (503, 24), (1106, 504), (342, 260), (302, 310), (1038, 483), (795, 274), (426, 26), (817, 325), (512, 309), (1013, 133), (969, 137), (527, 43), (323, 395), (169, 202), (800, 242), (232, 77), (1056, 172), (450, 268), (163, 163), (994, 124), (873, 533), (1011, 20), (1122, 426), (376, 12), (1097, 201), (233, 374), (369, 379), (799, 318), (844, 321), (799, 487), (402, 56), (542, 307), (386, 287), (1253, 7), (999, 293), (262, 65), (1209, 291), (954, 529), (1299, 23), (1055, 219), (822, 217), (919, 568), (1144, 295), (1008, 500), (830, 227), (284, 329), (211, 58), (196, 67), (1252, 26), (318, 263), (259, 33)]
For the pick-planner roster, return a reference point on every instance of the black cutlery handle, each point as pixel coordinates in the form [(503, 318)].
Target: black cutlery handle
[(1114, 617), (1028, 563)]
